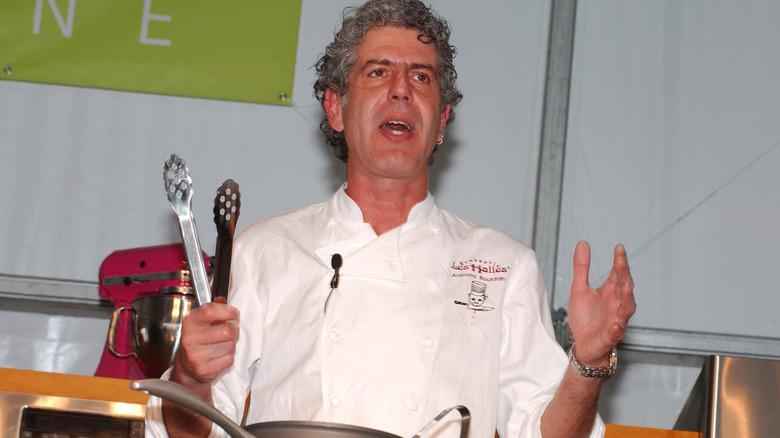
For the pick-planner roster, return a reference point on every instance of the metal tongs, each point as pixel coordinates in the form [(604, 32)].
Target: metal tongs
[(227, 207), (178, 187)]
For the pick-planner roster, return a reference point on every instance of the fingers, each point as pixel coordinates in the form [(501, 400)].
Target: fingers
[(213, 313), (210, 324), (581, 265), (208, 341), (208, 334), (624, 281), (620, 261)]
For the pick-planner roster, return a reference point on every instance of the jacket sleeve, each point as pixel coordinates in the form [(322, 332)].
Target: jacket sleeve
[(155, 425), (532, 363)]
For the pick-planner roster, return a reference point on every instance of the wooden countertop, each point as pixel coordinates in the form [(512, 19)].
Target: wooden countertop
[(69, 385), (619, 431)]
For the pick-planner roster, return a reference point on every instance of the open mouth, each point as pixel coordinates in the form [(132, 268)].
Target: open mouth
[(397, 127)]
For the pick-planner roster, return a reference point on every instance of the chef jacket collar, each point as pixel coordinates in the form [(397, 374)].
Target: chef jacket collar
[(364, 253)]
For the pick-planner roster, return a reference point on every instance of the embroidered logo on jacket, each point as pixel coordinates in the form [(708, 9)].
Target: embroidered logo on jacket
[(481, 273), (477, 298), (479, 269)]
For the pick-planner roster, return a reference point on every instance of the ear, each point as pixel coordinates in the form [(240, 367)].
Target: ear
[(332, 105), (445, 115)]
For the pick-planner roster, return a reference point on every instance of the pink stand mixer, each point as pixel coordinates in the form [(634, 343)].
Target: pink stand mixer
[(151, 291)]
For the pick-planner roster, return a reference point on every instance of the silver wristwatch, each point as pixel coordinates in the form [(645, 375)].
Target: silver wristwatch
[(594, 372)]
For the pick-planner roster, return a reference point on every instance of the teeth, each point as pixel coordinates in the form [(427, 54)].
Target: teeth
[(399, 122)]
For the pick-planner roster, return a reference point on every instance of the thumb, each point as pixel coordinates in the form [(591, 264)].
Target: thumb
[(581, 264)]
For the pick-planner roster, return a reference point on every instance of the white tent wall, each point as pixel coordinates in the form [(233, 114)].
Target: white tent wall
[(673, 148)]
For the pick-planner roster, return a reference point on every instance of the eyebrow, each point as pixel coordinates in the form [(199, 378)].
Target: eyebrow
[(385, 61)]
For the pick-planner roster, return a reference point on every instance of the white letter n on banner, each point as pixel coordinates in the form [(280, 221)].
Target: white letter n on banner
[(65, 27), (145, 25)]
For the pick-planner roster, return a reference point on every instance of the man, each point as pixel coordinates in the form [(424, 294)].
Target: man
[(426, 310)]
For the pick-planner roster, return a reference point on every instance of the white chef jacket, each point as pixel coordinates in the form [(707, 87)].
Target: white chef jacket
[(435, 313)]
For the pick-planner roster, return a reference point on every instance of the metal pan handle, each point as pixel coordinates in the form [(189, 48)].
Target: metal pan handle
[(464, 422), (182, 396)]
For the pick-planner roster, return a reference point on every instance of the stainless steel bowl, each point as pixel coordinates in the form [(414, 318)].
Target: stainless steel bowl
[(155, 327)]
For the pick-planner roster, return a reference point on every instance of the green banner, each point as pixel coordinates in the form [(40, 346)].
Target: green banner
[(241, 50)]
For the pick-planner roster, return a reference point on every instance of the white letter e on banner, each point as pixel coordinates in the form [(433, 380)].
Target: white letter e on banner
[(148, 16)]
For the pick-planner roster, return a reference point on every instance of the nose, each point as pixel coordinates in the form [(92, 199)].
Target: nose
[(400, 90)]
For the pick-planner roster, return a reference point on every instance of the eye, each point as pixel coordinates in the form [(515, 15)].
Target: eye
[(421, 77), (377, 73)]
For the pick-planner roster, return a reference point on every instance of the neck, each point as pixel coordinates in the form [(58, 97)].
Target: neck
[(386, 204)]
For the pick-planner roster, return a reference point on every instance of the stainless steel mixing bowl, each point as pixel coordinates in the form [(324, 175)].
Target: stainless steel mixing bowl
[(155, 327)]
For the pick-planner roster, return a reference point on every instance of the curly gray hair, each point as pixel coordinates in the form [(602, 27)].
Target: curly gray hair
[(334, 67)]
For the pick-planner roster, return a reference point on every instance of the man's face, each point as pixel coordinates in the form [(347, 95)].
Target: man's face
[(391, 116)]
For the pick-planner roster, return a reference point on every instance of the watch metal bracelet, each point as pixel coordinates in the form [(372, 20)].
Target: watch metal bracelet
[(594, 372)]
